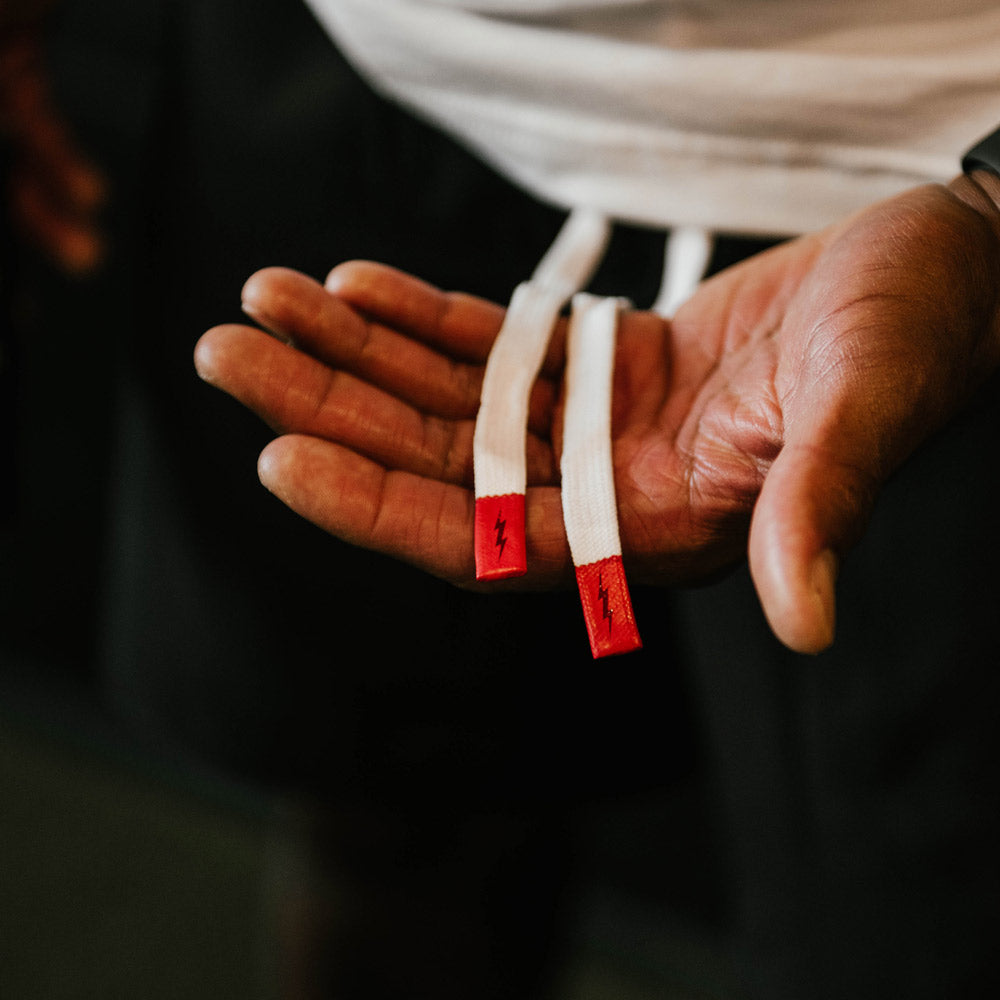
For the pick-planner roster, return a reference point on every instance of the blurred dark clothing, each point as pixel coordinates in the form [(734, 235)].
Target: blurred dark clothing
[(834, 818)]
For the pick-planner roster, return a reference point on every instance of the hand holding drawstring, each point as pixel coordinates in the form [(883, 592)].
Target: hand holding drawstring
[(764, 418)]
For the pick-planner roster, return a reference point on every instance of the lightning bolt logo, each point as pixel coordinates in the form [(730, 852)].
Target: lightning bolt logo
[(500, 527), (602, 593)]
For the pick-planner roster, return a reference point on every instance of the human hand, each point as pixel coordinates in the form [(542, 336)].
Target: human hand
[(763, 419), (54, 193)]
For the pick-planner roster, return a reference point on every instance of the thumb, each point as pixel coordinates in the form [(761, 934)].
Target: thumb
[(813, 506), (895, 327)]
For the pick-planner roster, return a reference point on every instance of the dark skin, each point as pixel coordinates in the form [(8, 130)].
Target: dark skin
[(761, 421)]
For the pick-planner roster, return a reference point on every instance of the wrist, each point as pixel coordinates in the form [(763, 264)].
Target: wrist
[(979, 183), (979, 189)]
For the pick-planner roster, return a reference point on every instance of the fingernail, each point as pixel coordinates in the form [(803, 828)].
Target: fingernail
[(823, 581), (250, 298), (253, 311)]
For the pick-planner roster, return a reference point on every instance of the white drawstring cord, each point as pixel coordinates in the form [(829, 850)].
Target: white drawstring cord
[(687, 256), (590, 512), (499, 441)]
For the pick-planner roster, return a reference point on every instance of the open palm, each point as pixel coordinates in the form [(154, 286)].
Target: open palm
[(775, 403)]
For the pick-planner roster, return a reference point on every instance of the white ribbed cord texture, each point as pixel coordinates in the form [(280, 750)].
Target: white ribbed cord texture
[(588, 488), (687, 256), (517, 354), (499, 464), (590, 512), (588, 483), (498, 443)]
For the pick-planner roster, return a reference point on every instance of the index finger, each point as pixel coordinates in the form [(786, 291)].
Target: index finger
[(463, 325), (295, 306)]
